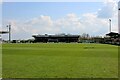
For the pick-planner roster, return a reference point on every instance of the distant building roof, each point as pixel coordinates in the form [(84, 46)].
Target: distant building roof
[(3, 32), (46, 35), (113, 34)]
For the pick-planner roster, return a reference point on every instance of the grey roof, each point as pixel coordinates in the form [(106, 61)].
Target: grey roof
[(3, 32), (55, 35)]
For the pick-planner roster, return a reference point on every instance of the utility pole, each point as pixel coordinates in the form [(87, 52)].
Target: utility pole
[(110, 24), (9, 30)]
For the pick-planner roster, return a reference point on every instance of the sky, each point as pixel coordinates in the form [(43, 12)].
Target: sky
[(28, 18)]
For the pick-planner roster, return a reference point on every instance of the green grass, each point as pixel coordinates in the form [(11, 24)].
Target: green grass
[(59, 60), (0, 61)]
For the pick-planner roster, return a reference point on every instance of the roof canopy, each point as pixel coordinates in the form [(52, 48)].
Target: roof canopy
[(113, 34), (3, 32)]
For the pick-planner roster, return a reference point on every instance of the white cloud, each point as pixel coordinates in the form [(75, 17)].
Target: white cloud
[(94, 25), (71, 23), (108, 10), (1, 1)]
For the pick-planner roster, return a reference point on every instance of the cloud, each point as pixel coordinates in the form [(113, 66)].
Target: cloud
[(42, 24), (1, 1), (94, 25), (71, 23), (108, 10)]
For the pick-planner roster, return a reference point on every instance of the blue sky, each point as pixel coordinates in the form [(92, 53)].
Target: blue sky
[(26, 10), (54, 0), (29, 18)]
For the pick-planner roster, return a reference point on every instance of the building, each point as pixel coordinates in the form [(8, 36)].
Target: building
[(2, 32), (113, 38), (56, 38), (113, 35)]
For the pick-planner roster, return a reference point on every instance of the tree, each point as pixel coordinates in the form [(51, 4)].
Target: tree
[(85, 36)]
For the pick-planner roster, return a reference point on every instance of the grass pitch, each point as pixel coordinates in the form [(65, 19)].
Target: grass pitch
[(61, 60), (0, 61)]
